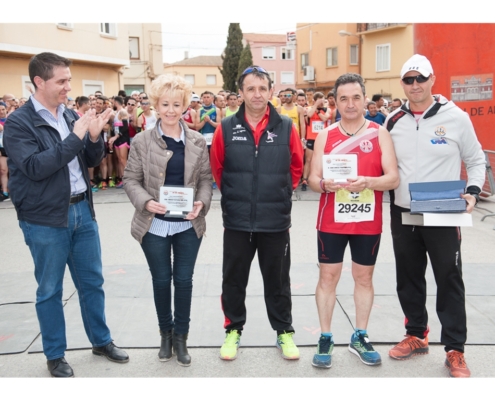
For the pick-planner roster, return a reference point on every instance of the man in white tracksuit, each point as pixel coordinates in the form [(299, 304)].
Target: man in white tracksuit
[(431, 136)]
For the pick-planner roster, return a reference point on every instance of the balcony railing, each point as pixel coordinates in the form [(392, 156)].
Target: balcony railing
[(375, 26)]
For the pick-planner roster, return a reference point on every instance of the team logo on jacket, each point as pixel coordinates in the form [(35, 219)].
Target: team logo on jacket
[(366, 146), (239, 138), (438, 141), (238, 129), (440, 131), (271, 135)]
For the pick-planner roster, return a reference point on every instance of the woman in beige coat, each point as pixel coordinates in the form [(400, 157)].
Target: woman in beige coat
[(170, 154)]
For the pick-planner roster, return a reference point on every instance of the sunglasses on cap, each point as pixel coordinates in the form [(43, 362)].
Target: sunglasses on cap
[(254, 68), (409, 80)]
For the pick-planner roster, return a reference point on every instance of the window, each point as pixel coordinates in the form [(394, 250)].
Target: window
[(286, 53), (131, 88), (211, 79), (189, 78), (109, 29), (287, 77), (332, 57), (272, 76), (134, 48), (268, 53), (383, 57), (304, 60), (90, 87), (65, 25), (354, 54)]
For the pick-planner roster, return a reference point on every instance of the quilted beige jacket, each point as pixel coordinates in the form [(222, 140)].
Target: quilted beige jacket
[(146, 169)]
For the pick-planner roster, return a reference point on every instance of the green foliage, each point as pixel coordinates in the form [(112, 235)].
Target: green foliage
[(245, 61), (231, 56)]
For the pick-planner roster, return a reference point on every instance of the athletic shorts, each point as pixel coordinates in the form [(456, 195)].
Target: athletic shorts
[(364, 248), (310, 144)]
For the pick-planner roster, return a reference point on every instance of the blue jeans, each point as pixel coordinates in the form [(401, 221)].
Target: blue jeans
[(158, 252), (78, 246)]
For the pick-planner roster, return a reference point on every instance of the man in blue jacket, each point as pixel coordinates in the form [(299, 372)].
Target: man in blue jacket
[(50, 150)]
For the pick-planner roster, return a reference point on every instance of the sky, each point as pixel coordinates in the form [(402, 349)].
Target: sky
[(178, 38)]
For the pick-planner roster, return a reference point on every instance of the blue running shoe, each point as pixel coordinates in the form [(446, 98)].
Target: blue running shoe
[(360, 345), (323, 356)]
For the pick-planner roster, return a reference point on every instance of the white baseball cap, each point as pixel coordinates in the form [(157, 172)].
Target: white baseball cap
[(195, 97), (417, 63)]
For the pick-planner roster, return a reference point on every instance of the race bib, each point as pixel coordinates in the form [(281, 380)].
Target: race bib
[(209, 138), (317, 126), (354, 206)]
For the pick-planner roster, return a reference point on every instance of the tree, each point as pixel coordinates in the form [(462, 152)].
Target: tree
[(231, 56), (245, 61)]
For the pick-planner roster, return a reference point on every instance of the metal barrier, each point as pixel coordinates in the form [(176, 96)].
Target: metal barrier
[(488, 188)]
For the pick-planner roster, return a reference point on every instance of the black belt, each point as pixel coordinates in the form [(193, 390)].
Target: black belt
[(77, 198)]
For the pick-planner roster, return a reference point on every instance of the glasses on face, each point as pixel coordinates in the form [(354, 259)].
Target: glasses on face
[(409, 80), (145, 103), (286, 95), (254, 68)]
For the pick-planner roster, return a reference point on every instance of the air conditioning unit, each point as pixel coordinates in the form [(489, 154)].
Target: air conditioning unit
[(309, 73)]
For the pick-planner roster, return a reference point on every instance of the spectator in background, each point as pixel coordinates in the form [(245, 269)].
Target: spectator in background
[(380, 104), (373, 114), (120, 141), (82, 105), (4, 171), (395, 104)]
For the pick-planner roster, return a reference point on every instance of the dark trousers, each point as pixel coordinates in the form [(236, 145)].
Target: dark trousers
[(273, 249), (412, 244), (172, 258)]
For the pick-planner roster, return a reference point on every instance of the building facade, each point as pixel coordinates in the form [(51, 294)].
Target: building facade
[(273, 54), (385, 48), (202, 72), (323, 54), (100, 53)]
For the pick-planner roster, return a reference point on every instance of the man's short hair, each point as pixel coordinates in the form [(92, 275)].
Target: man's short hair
[(397, 99), (301, 95), (310, 90), (318, 95), (231, 95), (42, 65), (257, 73), (119, 100), (376, 97), (104, 98), (293, 91), (349, 78), (330, 94), (2, 104), (82, 100), (370, 104), (207, 92)]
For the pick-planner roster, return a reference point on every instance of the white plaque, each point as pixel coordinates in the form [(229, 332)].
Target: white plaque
[(178, 199), (340, 167)]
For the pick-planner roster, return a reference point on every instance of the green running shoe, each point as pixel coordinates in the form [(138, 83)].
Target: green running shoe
[(287, 346), (228, 351)]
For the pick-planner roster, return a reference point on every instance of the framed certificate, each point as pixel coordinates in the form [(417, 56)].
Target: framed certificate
[(340, 167), (178, 199)]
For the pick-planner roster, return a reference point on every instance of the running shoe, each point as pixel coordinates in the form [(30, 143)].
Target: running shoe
[(287, 346), (119, 185), (410, 346), (103, 185), (457, 365), (323, 356), (361, 346), (214, 185), (4, 196), (228, 351), (111, 183), (304, 185)]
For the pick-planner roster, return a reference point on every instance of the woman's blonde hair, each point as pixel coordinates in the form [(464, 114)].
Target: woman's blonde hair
[(171, 84)]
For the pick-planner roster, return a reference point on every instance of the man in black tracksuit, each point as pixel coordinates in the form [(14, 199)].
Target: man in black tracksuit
[(256, 160)]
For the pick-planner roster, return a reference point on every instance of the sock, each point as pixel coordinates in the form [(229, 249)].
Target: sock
[(327, 334), (360, 331)]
